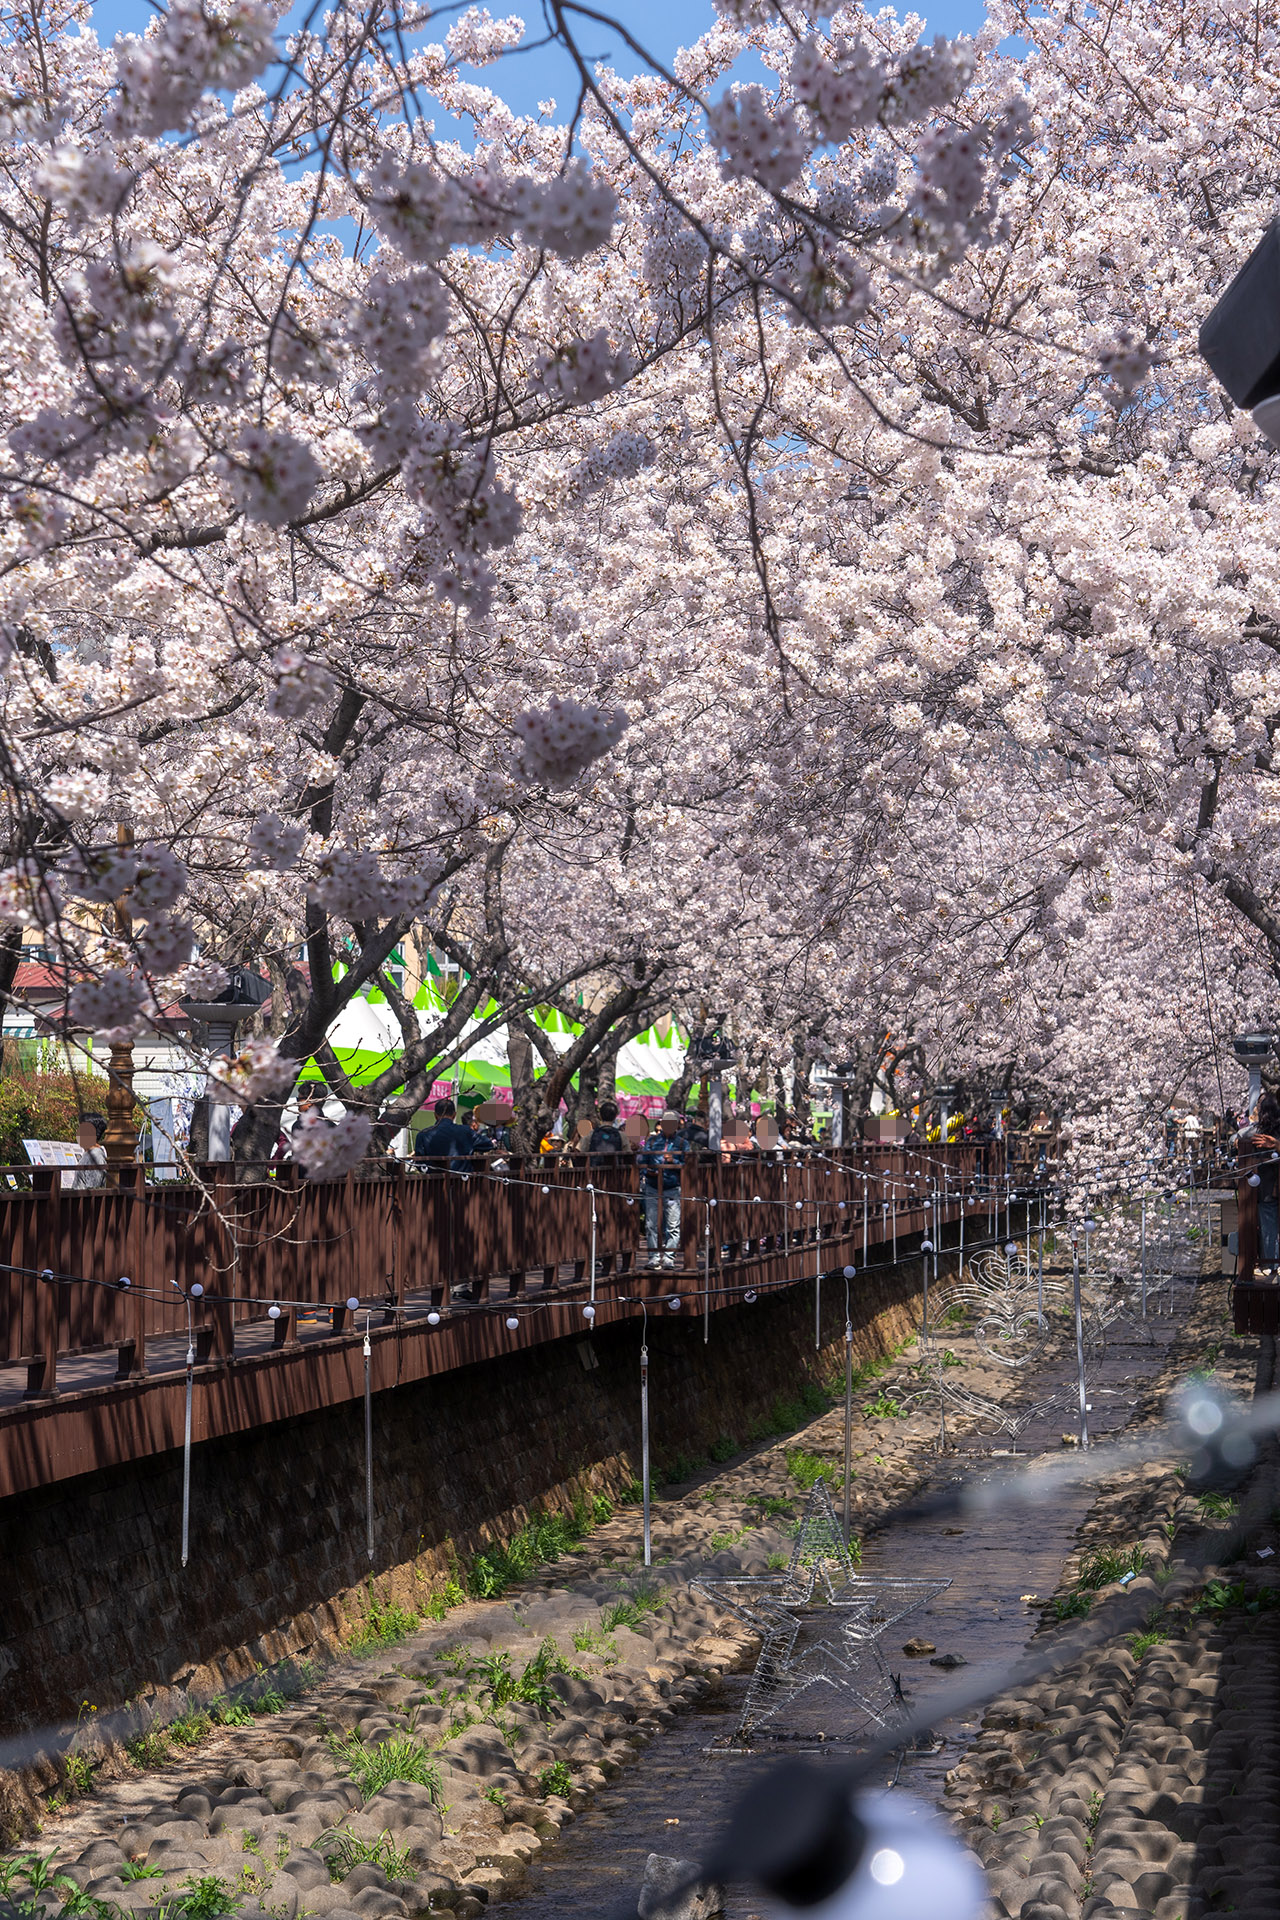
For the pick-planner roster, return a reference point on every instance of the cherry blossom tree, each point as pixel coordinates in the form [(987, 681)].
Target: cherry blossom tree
[(306, 409), (756, 546)]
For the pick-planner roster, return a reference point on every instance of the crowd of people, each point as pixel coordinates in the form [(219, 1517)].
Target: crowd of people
[(659, 1155)]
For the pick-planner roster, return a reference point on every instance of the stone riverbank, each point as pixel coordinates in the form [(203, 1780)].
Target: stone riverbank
[(517, 1713)]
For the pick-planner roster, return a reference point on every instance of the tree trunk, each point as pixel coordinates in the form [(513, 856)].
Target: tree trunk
[(525, 1137), (678, 1091), (780, 1099), (800, 1094), (10, 955)]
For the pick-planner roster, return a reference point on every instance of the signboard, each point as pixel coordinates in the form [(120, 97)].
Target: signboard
[(53, 1153)]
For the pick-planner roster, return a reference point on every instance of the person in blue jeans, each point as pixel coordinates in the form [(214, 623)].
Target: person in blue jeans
[(1266, 1135), (661, 1164)]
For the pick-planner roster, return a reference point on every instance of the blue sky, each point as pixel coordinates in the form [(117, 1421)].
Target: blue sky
[(522, 81)]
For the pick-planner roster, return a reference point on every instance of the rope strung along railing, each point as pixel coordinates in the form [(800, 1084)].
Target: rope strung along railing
[(452, 1234)]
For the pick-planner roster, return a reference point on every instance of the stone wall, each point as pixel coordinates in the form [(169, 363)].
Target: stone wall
[(94, 1604)]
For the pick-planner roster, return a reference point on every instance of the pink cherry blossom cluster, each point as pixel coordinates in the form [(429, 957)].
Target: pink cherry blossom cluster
[(257, 1072), (325, 1148), (842, 85), (465, 511), (1128, 362), (197, 45), (425, 212), (300, 684), (584, 370), (99, 874), (476, 38), (153, 877), (85, 186), (274, 844), (952, 175), (927, 80), (951, 204), (622, 457), (111, 1006), (827, 284), (397, 325), (572, 214), (74, 794), (165, 943), (273, 474), (28, 894), (202, 981), (352, 886), (564, 738), (119, 310), (755, 141), (847, 84), (160, 881)]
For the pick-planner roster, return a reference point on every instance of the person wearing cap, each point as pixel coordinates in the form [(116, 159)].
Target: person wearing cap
[(661, 1163)]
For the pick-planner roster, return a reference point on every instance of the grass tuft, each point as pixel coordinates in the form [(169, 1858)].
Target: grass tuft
[(1106, 1564), (382, 1624), (539, 1543), (375, 1767), (629, 1613), (347, 1850), (806, 1469)]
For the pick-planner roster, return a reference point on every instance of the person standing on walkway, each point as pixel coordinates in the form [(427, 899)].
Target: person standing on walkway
[(1259, 1193), (93, 1155), (661, 1164), (606, 1142), (447, 1140)]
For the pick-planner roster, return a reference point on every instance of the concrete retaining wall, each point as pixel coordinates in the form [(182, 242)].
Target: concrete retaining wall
[(94, 1604)]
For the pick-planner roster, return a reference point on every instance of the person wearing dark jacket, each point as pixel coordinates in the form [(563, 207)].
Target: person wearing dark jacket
[(660, 1162), (606, 1141), (446, 1140), (1259, 1193)]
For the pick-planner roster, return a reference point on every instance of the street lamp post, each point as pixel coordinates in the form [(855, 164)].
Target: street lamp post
[(947, 1096), (220, 1018), (1251, 1050), (121, 1136), (716, 1054)]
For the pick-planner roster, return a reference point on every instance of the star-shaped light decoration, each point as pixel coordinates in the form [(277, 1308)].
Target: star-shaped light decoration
[(820, 1622)]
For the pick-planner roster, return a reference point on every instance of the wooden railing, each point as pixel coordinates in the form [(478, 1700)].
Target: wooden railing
[(121, 1265)]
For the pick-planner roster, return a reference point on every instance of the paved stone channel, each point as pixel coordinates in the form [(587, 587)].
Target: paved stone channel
[(1002, 1571), (647, 1695)]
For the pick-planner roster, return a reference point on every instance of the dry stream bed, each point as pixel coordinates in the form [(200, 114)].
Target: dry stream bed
[(553, 1738)]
